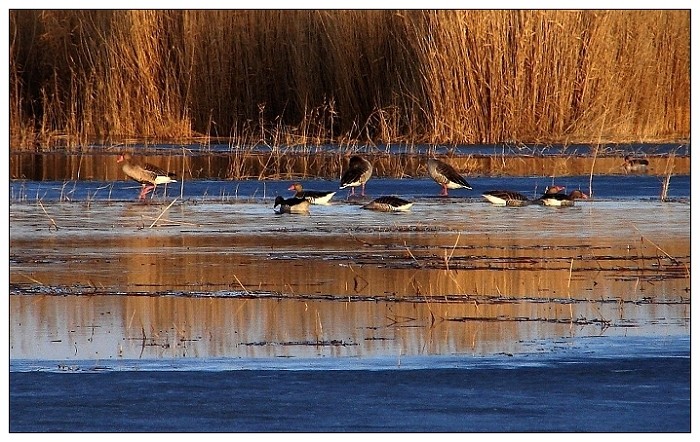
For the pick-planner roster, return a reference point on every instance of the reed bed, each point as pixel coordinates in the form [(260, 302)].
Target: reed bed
[(303, 78)]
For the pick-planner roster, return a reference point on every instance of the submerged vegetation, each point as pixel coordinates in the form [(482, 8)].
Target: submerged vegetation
[(304, 77)]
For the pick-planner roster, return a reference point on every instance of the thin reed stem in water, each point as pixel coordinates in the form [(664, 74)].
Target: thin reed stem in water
[(448, 258), (182, 176), (675, 261), (670, 164), (162, 213), (411, 254), (53, 223), (241, 284)]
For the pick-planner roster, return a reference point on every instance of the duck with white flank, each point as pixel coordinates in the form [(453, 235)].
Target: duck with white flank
[(562, 199), (292, 205), (446, 176), (515, 199), (148, 175), (506, 198), (358, 173), (313, 196), (389, 204), (635, 165)]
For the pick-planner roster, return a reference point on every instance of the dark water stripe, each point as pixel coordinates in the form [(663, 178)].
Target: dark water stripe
[(604, 188), (624, 394)]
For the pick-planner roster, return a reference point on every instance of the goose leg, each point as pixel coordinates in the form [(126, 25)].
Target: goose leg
[(142, 195), (145, 191)]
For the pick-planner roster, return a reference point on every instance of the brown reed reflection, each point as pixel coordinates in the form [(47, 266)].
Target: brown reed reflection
[(336, 268), (295, 164), (112, 327)]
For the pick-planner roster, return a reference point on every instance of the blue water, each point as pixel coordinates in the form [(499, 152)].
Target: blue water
[(605, 187), (582, 385)]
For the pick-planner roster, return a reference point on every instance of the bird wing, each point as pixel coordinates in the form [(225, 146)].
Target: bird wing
[(359, 170), (451, 174), (312, 194), (507, 195), (392, 200), (557, 196), (157, 171), (455, 177), (351, 176), (356, 161)]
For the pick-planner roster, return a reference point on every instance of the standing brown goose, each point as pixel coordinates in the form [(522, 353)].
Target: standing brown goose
[(358, 173), (446, 176), (147, 174)]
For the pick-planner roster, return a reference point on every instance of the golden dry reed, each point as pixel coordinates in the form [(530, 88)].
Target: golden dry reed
[(302, 77)]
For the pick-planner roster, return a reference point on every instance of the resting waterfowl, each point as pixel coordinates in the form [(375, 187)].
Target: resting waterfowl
[(313, 196), (515, 199), (148, 175), (446, 176), (358, 173), (561, 199), (389, 204), (506, 198), (550, 190), (292, 205), (633, 165)]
